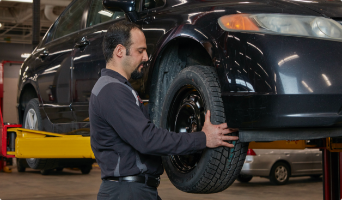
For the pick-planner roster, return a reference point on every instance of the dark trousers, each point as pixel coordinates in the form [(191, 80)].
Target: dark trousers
[(113, 190)]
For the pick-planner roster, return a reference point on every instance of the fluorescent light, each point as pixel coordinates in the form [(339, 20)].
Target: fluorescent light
[(0, 23), (25, 55), (106, 13), (24, 1), (326, 79)]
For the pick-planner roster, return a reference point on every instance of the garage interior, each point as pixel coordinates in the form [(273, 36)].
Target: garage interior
[(23, 24)]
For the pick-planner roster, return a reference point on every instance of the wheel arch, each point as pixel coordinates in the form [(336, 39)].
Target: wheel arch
[(27, 93), (174, 55)]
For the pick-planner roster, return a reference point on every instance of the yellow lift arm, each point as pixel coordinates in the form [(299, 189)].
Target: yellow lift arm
[(41, 144)]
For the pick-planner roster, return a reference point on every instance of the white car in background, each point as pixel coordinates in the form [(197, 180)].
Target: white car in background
[(279, 165)]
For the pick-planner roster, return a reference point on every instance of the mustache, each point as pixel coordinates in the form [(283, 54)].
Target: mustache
[(144, 63)]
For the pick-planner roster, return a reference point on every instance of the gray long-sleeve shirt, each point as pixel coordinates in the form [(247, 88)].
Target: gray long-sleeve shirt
[(125, 142)]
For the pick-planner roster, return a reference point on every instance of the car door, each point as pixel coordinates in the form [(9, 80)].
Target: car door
[(88, 58), (316, 157), (54, 66), (300, 160)]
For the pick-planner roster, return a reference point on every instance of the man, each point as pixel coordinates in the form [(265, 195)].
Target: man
[(127, 146)]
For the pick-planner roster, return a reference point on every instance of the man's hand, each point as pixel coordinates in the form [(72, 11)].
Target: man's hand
[(216, 134)]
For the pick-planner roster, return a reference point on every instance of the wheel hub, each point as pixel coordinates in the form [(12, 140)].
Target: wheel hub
[(189, 117)]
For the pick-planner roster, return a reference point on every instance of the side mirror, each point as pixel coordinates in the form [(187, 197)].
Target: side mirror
[(127, 6)]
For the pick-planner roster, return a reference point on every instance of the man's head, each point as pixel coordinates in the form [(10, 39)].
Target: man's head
[(124, 48)]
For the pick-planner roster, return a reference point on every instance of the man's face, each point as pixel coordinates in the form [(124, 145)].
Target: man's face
[(135, 61)]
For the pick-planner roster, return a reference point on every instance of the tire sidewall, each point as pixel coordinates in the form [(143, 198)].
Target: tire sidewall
[(33, 104), (273, 177), (188, 76)]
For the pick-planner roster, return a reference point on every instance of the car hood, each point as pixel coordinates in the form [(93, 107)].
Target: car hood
[(331, 9)]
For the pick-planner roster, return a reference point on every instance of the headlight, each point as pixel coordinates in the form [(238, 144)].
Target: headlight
[(297, 25)]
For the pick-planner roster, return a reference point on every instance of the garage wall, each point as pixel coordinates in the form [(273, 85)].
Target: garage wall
[(13, 52), (11, 75)]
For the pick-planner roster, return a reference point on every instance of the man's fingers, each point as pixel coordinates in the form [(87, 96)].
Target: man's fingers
[(207, 116), (226, 131), (226, 144), (223, 126), (230, 137)]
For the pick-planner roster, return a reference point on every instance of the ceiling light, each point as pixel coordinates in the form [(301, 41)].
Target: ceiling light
[(24, 1), (25, 55)]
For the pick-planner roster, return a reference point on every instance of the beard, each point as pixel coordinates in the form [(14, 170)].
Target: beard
[(135, 75)]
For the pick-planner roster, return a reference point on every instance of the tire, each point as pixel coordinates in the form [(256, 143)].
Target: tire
[(195, 90), (280, 173), (86, 169), (244, 178), (32, 120), (21, 165), (318, 176), (59, 169), (45, 171)]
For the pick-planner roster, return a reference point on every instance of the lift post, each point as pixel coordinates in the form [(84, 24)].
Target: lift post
[(7, 143)]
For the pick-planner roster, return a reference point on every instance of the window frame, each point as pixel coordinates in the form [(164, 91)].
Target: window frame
[(54, 27)]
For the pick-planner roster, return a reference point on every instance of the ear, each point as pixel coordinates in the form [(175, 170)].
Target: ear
[(119, 51)]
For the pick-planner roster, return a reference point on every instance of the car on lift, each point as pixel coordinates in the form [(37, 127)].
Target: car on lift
[(279, 165), (268, 67)]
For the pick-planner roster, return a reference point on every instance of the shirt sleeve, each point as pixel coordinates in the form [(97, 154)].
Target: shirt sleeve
[(119, 109)]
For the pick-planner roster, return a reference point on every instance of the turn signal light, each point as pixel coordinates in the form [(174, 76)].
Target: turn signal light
[(239, 22), (250, 152)]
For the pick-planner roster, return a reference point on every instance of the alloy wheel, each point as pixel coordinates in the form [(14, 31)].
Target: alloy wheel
[(281, 173)]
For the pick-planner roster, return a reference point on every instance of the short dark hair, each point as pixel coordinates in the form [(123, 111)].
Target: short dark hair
[(118, 33)]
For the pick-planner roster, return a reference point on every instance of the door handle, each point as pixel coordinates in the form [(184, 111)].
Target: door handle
[(148, 20), (82, 44), (43, 55)]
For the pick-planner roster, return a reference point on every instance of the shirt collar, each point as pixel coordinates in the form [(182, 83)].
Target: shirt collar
[(114, 74)]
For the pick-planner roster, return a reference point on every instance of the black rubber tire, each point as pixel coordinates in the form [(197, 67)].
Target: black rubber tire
[(59, 169), (21, 165), (316, 176), (45, 171), (217, 168), (244, 178), (37, 163), (86, 169), (274, 178)]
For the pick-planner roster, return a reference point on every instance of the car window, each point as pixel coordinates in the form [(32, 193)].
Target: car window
[(99, 14), (149, 4), (71, 19)]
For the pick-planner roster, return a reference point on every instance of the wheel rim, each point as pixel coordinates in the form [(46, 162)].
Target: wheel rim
[(31, 120), (186, 115), (281, 173)]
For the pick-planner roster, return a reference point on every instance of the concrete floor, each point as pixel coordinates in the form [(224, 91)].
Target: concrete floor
[(71, 184)]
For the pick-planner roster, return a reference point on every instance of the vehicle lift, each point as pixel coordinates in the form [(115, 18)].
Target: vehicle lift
[(17, 142)]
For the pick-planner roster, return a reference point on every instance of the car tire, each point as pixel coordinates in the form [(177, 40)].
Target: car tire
[(45, 171), (86, 169), (280, 173), (21, 165), (244, 178), (316, 176), (211, 170), (32, 120), (59, 169)]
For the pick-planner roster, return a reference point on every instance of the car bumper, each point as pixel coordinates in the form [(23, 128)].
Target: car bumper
[(272, 81), (256, 166)]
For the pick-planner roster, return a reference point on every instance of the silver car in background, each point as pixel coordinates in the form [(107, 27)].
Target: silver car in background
[(279, 165)]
